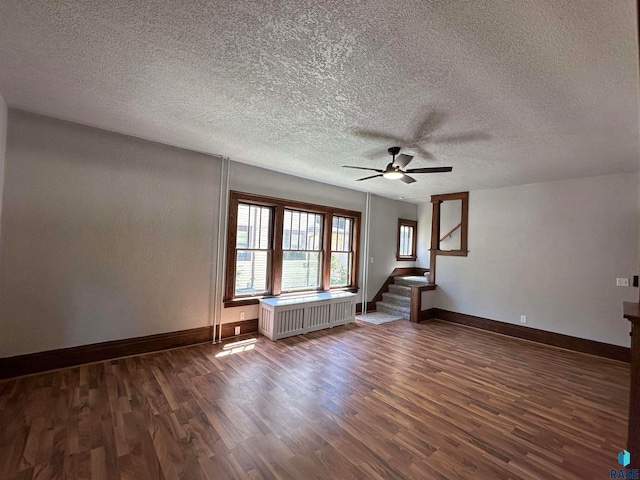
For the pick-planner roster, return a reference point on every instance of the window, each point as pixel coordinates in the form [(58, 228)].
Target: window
[(301, 250), (449, 230), (253, 252), (407, 240), (341, 251), (277, 246)]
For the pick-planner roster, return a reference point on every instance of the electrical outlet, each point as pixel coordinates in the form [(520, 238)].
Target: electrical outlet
[(622, 282), (371, 259), (523, 319), (237, 331), (241, 315)]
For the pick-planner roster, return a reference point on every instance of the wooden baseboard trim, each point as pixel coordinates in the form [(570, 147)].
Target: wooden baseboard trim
[(428, 314), (97, 352), (246, 326), (606, 350), (371, 307)]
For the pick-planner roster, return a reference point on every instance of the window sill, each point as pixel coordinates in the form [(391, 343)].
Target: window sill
[(240, 302), (451, 253), (406, 259)]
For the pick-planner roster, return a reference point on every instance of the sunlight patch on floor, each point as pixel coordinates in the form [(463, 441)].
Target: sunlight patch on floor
[(237, 347)]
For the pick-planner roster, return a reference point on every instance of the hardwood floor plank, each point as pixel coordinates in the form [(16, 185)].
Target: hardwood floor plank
[(392, 401)]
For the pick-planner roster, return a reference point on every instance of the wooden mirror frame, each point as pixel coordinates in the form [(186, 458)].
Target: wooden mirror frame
[(436, 200)]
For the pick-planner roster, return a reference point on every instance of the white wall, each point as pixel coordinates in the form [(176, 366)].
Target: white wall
[(3, 137), (425, 211), (105, 236), (247, 178), (109, 237), (549, 251), (383, 236)]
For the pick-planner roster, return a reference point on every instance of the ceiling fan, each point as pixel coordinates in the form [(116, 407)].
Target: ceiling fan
[(396, 169), (424, 133)]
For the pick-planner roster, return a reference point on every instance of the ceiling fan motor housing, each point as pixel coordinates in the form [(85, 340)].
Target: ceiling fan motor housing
[(393, 151)]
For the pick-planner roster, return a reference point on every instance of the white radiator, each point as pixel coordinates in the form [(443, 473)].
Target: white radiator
[(286, 316)]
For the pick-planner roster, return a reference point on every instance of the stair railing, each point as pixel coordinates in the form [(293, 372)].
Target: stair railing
[(450, 232)]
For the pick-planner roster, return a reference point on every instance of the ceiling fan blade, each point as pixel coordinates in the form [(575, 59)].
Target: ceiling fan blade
[(407, 179), (376, 154), (428, 123), (461, 137), (402, 160), (429, 170), (421, 152), (373, 135), (364, 168), (367, 178)]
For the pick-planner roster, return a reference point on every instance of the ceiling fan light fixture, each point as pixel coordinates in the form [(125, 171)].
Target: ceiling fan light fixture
[(393, 174)]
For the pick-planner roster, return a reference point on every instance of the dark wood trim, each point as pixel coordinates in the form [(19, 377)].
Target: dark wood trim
[(241, 302), (275, 266), (278, 206), (230, 267), (447, 196), (428, 314), (326, 259), (414, 243), (310, 207), (633, 439), (97, 352), (67, 357), (631, 310), (436, 201), (451, 253), (432, 266), (416, 300), (592, 347), (397, 271), (246, 326), (355, 242), (632, 313), (371, 307), (464, 228), (435, 225)]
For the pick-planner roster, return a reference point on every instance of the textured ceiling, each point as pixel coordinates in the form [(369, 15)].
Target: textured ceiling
[(548, 89)]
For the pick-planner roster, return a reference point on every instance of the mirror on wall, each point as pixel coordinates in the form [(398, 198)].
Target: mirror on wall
[(450, 224)]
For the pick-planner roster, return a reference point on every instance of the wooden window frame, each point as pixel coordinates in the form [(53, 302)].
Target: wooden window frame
[(436, 201), (320, 249), (269, 248), (352, 248), (402, 222), (275, 277)]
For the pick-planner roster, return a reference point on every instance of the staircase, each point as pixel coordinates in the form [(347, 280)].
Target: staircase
[(397, 301)]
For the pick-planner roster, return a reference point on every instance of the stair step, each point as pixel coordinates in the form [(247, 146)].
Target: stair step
[(392, 308), (400, 290), (411, 281), (401, 300)]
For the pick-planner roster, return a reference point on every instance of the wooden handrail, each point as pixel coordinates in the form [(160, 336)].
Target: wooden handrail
[(450, 232)]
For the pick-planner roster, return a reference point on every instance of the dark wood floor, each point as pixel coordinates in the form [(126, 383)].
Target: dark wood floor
[(397, 400)]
